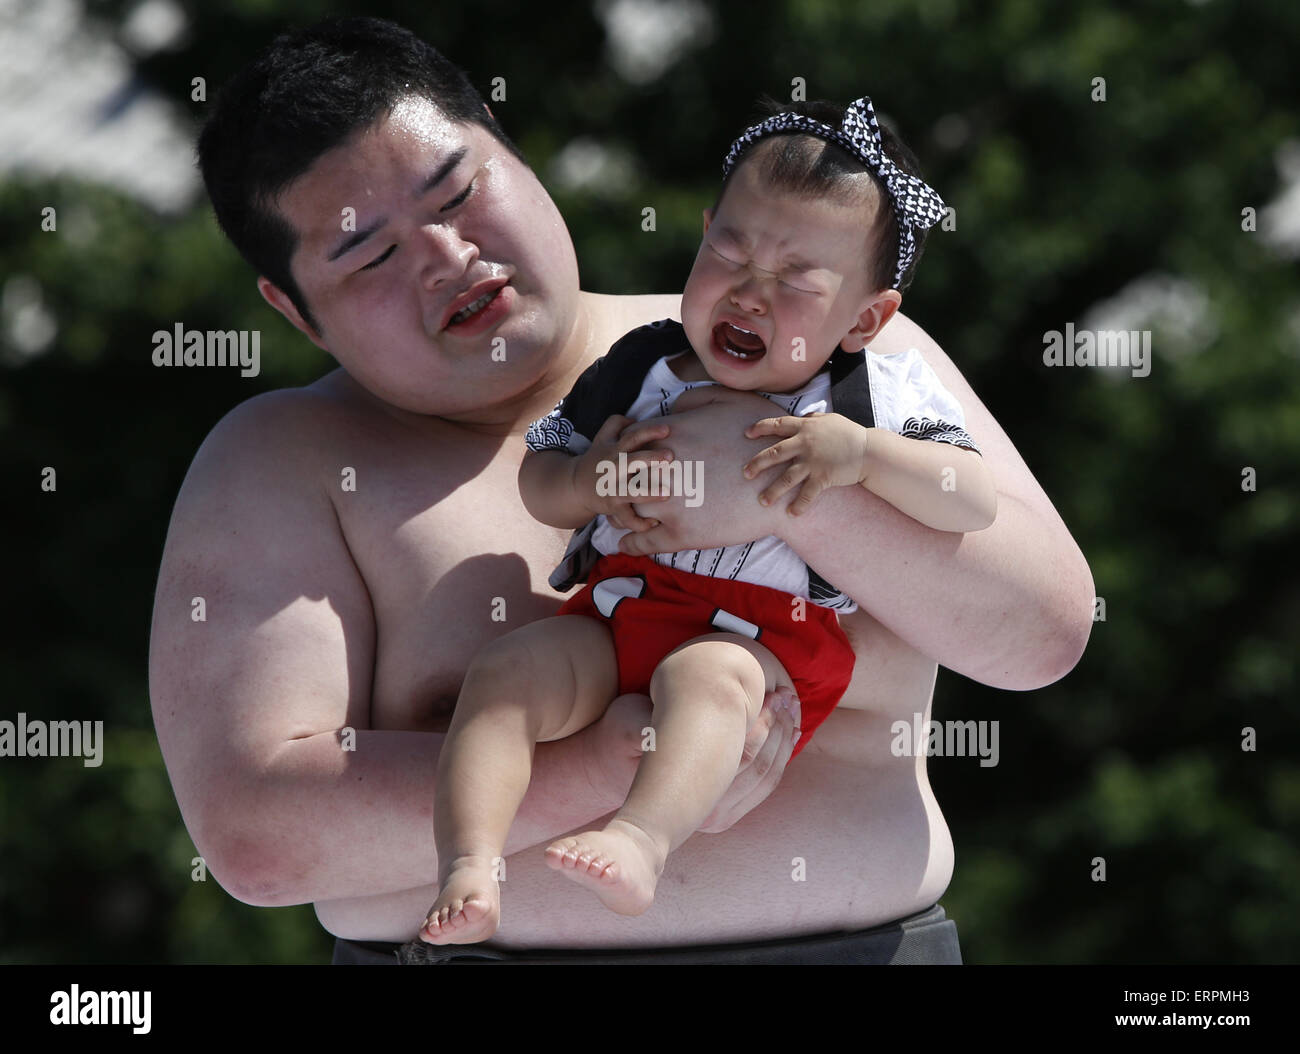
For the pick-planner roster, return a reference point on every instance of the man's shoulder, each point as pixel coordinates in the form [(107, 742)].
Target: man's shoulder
[(269, 447), (293, 419), (259, 503), (641, 309), (615, 315)]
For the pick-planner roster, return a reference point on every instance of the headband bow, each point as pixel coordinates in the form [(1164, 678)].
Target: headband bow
[(916, 205)]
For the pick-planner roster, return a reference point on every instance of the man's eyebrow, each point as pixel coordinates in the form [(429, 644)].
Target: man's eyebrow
[(355, 239), (443, 171), (437, 176)]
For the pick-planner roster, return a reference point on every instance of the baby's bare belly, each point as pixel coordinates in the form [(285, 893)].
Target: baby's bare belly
[(836, 846)]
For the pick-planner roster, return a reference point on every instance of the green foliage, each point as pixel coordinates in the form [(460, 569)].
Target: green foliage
[(1061, 202)]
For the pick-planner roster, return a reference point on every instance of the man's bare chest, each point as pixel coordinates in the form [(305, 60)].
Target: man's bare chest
[(451, 560)]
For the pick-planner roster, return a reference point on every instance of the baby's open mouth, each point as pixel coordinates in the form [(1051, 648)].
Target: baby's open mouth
[(737, 342)]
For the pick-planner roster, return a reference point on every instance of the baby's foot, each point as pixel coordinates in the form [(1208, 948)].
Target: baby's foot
[(620, 864), (468, 908)]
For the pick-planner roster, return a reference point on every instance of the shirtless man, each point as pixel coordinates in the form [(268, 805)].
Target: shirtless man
[(354, 539)]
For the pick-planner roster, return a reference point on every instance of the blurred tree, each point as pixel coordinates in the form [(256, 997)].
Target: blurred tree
[(1122, 213)]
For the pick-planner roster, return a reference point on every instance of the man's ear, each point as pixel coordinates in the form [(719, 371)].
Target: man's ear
[(872, 318), (278, 299)]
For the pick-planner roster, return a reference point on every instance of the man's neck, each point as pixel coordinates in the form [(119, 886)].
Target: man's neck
[(579, 350), (599, 321), (594, 318)]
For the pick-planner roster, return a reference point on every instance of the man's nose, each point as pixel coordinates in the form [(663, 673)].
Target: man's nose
[(447, 255)]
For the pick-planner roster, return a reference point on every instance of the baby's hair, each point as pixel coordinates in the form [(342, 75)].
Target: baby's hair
[(806, 166)]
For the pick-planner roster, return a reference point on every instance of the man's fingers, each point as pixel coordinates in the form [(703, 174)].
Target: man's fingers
[(762, 775), (795, 710), (608, 432), (693, 398), (634, 455), (759, 730), (639, 483), (769, 743), (776, 751), (646, 543), (628, 520), (642, 432)]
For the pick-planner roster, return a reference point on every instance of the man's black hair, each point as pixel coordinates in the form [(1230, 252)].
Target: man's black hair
[(302, 97), (806, 166)]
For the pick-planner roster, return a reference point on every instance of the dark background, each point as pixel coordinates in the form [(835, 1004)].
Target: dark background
[(1063, 203)]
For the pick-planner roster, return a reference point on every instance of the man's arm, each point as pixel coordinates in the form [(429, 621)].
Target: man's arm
[(248, 701), (1010, 606)]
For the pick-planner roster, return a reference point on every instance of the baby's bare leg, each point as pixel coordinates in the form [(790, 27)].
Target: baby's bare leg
[(545, 681), (705, 695)]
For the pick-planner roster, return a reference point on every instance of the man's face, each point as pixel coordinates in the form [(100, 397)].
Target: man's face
[(779, 282), (439, 272)]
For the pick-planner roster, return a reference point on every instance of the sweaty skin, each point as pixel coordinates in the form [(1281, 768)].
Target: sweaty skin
[(359, 609)]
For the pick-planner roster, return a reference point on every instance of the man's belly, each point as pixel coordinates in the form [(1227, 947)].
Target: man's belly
[(836, 846)]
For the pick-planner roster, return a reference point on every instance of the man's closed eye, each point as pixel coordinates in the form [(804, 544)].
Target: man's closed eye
[(380, 259)]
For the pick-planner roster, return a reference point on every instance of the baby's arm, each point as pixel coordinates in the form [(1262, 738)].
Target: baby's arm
[(941, 485), (567, 490), (548, 487)]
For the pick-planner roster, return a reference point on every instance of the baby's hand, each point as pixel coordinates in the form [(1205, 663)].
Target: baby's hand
[(608, 484), (824, 450)]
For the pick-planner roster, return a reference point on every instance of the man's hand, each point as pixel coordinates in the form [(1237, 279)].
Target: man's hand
[(710, 423), (612, 753), (769, 743), (824, 450), (600, 471), (612, 745)]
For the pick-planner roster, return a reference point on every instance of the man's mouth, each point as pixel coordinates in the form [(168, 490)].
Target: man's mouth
[(470, 310), (738, 343)]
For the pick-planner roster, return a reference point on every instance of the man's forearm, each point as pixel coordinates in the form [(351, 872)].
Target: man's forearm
[(322, 823), (1009, 606)]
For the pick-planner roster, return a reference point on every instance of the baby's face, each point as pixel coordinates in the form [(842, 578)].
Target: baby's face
[(779, 283)]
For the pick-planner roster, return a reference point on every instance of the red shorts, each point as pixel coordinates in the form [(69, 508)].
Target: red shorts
[(653, 609)]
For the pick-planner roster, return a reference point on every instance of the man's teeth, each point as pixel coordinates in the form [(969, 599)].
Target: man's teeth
[(474, 308)]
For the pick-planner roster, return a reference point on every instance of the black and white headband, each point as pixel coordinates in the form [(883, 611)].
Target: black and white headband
[(916, 205)]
